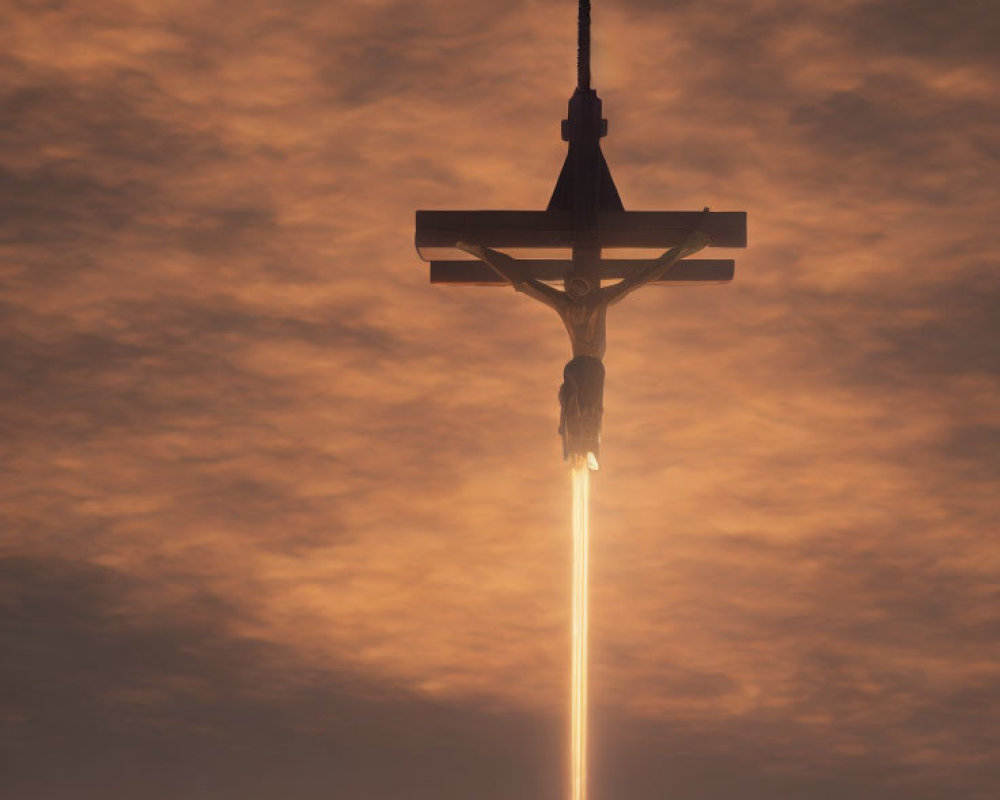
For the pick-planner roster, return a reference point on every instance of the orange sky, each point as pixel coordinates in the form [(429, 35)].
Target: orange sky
[(280, 519)]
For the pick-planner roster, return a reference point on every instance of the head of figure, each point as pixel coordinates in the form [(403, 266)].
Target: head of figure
[(577, 287)]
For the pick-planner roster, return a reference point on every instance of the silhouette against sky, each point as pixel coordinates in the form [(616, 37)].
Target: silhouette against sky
[(280, 519)]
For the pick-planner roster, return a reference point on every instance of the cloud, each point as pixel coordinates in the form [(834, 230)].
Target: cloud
[(238, 424), (165, 701)]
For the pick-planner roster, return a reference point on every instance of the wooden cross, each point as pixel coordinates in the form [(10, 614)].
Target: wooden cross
[(585, 214)]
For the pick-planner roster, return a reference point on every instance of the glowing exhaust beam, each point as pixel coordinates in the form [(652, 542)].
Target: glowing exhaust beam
[(578, 704)]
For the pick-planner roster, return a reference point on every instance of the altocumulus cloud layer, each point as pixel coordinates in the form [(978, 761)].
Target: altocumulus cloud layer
[(279, 519)]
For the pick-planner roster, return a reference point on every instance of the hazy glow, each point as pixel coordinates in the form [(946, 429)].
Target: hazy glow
[(578, 704), (278, 459)]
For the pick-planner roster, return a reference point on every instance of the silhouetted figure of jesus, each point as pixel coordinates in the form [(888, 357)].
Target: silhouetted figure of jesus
[(583, 310)]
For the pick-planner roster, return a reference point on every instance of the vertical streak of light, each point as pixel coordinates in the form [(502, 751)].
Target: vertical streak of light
[(578, 702)]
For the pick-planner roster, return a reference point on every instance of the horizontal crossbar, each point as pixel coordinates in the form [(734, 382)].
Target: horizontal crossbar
[(640, 229), (476, 273)]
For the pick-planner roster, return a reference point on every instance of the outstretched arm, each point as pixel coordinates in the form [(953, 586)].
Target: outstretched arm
[(654, 270), (507, 267)]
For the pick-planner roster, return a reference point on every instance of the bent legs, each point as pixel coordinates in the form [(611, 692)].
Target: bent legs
[(581, 401)]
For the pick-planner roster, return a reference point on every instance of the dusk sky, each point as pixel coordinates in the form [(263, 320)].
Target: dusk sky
[(279, 519)]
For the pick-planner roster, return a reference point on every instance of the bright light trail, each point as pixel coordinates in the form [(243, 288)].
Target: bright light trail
[(578, 703)]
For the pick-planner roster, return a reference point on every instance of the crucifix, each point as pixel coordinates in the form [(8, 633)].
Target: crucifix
[(584, 215)]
